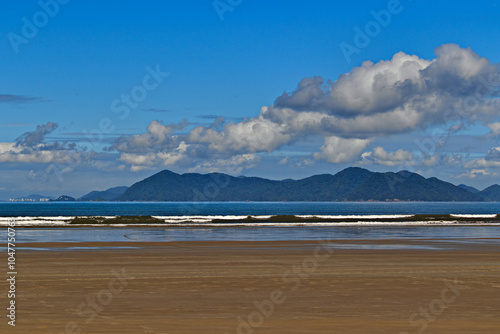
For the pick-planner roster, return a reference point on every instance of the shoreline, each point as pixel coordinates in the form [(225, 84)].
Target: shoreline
[(255, 220)]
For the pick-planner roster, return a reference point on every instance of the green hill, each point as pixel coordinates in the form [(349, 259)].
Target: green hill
[(491, 193), (111, 194), (63, 198), (351, 184), (471, 189)]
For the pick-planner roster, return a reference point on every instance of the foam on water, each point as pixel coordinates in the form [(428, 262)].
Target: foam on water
[(473, 216), (356, 216)]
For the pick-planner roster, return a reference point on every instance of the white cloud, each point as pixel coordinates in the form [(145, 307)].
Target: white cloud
[(144, 161), (390, 97), (396, 96), (11, 152), (234, 165), (491, 159), (486, 166), (474, 173), (495, 128), (253, 135), (285, 161), (303, 162), (9, 147), (341, 150), (493, 154), (157, 137), (381, 157), (478, 163)]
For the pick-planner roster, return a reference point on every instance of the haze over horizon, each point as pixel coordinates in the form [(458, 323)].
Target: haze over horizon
[(105, 96)]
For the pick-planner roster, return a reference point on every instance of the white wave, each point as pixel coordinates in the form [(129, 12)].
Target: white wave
[(36, 223), (30, 218), (473, 216), (206, 219), (356, 216), (237, 220)]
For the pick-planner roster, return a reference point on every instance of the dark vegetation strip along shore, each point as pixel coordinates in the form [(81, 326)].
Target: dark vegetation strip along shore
[(285, 219)]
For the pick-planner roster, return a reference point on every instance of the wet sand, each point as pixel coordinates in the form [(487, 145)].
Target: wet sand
[(257, 287)]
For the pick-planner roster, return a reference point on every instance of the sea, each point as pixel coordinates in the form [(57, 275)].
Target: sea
[(245, 221)]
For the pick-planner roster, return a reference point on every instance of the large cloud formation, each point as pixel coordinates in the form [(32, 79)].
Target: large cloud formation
[(390, 97), (32, 147)]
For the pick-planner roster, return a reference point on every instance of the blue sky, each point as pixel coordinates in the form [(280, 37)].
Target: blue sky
[(60, 81)]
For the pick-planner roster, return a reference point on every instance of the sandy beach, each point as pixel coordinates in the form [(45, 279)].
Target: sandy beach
[(257, 287)]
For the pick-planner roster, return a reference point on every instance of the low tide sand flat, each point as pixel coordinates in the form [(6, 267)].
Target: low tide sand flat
[(215, 287)]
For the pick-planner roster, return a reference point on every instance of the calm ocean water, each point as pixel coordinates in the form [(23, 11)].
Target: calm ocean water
[(52, 209)]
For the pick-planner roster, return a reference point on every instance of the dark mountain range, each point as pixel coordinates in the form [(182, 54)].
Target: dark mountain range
[(469, 188), (351, 184), (491, 193), (112, 194)]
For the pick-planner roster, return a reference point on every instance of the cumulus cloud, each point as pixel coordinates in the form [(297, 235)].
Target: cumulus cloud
[(285, 161), (144, 161), (493, 154), (491, 159), (398, 96), (8, 147), (474, 173), (158, 137), (304, 162), (252, 135), (39, 156), (410, 159), (234, 165), (341, 150), (31, 147), (390, 97), (381, 157), (495, 128)]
